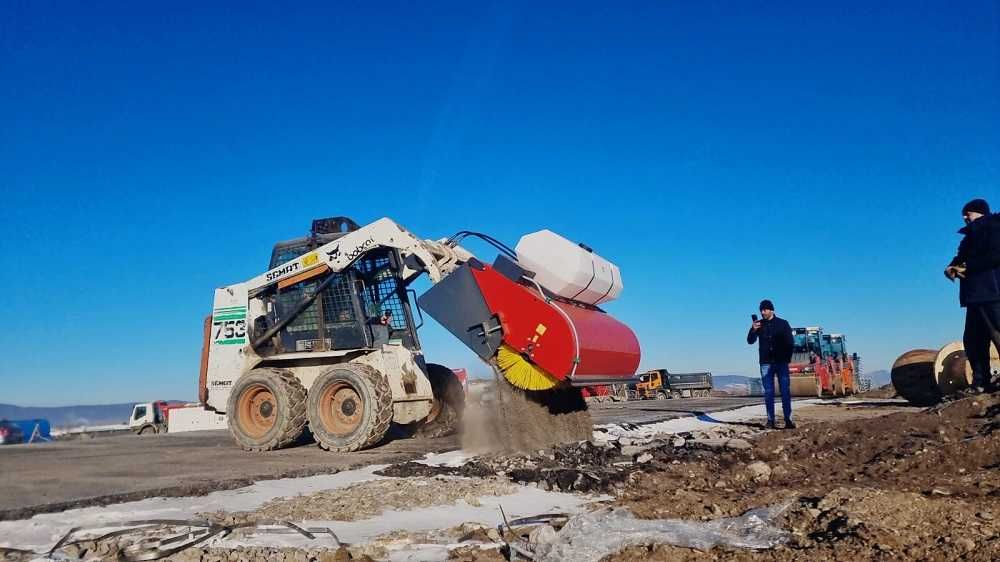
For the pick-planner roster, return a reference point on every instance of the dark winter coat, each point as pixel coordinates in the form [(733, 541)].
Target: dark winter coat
[(776, 341), (979, 251)]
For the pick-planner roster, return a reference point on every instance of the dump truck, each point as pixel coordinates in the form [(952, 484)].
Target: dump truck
[(662, 384), (326, 338), (149, 418)]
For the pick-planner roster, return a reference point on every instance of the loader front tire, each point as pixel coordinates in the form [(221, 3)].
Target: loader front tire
[(449, 403), (349, 408), (267, 410)]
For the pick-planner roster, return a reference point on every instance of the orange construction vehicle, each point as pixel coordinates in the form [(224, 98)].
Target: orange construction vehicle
[(820, 364)]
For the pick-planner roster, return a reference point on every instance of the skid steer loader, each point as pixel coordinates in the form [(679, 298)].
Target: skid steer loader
[(326, 338)]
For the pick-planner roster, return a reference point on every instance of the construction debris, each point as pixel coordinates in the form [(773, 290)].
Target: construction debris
[(587, 467)]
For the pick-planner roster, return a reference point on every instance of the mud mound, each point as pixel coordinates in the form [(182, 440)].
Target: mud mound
[(951, 447), (863, 524), (916, 485)]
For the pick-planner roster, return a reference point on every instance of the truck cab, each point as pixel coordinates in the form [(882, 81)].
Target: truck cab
[(650, 385), (149, 418)]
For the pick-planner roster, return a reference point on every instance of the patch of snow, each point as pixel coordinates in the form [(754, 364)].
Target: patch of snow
[(451, 459), (702, 422), (525, 501), (88, 429), (43, 530)]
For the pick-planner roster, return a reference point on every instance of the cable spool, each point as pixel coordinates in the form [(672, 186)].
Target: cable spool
[(952, 371), (913, 377), (924, 376)]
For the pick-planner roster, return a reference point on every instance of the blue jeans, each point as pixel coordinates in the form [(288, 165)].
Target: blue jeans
[(767, 374)]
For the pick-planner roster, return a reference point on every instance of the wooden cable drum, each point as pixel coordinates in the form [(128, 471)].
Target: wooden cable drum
[(952, 371), (913, 377)]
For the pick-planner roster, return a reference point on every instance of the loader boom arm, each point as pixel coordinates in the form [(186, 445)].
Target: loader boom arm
[(437, 259)]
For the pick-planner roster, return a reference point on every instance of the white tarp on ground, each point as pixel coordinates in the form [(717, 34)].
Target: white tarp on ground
[(589, 537), (699, 422), (42, 531)]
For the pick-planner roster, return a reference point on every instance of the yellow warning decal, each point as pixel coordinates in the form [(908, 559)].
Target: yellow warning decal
[(310, 259)]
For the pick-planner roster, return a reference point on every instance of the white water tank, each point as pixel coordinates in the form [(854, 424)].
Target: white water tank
[(567, 269)]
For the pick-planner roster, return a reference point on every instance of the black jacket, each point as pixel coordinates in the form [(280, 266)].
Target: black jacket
[(775, 341), (980, 252)]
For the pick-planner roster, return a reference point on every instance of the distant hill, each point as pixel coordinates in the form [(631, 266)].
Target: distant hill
[(733, 384), (70, 416), (724, 380), (879, 378)]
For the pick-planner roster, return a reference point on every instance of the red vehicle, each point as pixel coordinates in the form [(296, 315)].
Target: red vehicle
[(599, 393)]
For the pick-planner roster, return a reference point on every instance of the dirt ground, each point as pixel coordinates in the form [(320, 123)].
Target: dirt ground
[(915, 485), (862, 480)]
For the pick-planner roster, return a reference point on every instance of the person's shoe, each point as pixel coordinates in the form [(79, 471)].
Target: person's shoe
[(789, 424), (972, 391), (769, 425)]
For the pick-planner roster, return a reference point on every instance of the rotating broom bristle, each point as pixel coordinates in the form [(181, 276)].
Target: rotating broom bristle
[(522, 373)]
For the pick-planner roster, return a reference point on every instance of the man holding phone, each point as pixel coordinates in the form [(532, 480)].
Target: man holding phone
[(775, 349)]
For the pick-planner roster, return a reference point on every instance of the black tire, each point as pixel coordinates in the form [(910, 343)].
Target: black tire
[(146, 429), (449, 402), (342, 428), (286, 410), (661, 395)]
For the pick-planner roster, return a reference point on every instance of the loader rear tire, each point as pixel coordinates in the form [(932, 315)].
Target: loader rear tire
[(349, 408), (267, 410)]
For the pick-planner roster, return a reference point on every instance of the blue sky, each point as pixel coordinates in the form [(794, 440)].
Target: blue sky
[(718, 152)]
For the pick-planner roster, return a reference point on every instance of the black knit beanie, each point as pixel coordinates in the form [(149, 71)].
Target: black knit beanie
[(766, 305), (977, 206)]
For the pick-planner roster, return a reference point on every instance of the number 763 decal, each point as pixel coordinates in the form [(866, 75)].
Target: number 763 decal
[(230, 331)]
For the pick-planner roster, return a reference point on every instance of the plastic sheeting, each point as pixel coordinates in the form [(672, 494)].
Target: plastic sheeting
[(34, 430), (589, 537)]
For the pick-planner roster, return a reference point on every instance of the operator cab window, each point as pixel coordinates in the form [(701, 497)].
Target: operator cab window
[(140, 413)]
